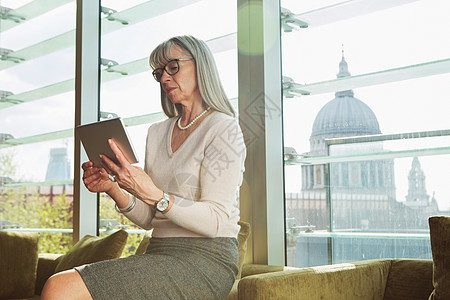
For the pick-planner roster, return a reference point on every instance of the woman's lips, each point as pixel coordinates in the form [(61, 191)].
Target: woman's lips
[(169, 89)]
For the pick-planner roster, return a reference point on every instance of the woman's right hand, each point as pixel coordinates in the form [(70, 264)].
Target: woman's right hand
[(96, 179)]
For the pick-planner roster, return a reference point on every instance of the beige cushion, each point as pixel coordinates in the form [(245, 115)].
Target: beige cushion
[(92, 249), (18, 264), (243, 235), (440, 248)]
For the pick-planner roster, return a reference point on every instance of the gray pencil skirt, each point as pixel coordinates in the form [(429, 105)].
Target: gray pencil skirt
[(171, 268)]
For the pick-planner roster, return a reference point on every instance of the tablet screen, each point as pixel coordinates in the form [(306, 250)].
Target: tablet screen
[(94, 137)]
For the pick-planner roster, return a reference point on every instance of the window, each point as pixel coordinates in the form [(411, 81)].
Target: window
[(37, 68), (130, 31), (367, 85)]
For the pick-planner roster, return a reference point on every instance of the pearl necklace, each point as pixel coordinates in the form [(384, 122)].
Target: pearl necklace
[(193, 121)]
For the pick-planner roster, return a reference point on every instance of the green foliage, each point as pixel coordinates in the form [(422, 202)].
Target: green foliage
[(56, 215), (107, 211), (7, 167), (31, 210), (26, 207)]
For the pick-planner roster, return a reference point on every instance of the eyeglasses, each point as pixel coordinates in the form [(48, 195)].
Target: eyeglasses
[(172, 68)]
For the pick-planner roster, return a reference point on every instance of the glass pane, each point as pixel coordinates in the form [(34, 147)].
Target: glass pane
[(353, 70), (37, 100), (130, 31)]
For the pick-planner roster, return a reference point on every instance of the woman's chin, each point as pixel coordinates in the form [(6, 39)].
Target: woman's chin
[(174, 99)]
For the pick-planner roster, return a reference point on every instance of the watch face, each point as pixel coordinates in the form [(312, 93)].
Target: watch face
[(162, 205)]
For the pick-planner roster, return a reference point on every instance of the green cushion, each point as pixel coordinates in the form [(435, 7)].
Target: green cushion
[(46, 267), (92, 249), (18, 264), (440, 248), (356, 281), (144, 243), (233, 295), (243, 235), (409, 279)]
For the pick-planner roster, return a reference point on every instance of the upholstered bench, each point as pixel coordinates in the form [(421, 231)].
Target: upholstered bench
[(23, 271)]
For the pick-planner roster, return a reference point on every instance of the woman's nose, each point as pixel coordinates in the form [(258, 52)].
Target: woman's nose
[(165, 76)]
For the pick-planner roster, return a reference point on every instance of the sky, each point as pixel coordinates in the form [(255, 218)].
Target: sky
[(396, 37)]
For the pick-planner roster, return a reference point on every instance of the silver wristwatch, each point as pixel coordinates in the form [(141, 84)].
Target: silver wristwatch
[(163, 204)]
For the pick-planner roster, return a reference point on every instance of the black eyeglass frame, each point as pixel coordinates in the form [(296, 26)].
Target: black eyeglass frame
[(164, 68)]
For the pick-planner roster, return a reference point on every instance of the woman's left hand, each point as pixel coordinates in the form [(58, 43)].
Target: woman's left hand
[(131, 178)]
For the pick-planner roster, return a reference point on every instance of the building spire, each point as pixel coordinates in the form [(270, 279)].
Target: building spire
[(417, 193), (343, 67), (343, 72)]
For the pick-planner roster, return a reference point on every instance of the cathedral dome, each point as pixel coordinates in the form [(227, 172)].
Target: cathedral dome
[(345, 115)]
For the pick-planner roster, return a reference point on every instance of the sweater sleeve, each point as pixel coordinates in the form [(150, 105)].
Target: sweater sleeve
[(221, 174), (141, 215)]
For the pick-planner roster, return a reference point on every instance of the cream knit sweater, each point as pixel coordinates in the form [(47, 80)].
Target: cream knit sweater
[(204, 175)]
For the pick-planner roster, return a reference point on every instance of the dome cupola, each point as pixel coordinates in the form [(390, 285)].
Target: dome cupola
[(345, 115)]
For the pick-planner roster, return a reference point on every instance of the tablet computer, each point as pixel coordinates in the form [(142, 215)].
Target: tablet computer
[(94, 137)]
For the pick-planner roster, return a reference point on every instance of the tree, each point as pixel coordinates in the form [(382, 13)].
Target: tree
[(7, 166), (26, 207), (107, 211)]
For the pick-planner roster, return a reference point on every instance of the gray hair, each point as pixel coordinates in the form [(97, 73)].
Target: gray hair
[(209, 84)]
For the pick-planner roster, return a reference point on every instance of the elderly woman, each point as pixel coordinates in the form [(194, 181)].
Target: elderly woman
[(187, 192)]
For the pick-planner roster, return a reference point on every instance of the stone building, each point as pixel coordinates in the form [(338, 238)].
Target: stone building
[(363, 193)]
